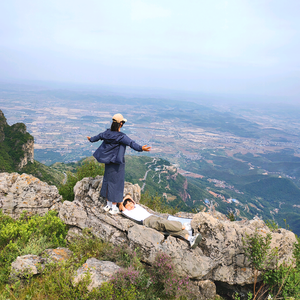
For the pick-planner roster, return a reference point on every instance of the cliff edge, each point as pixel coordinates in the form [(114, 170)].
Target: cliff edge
[(220, 257), (16, 146)]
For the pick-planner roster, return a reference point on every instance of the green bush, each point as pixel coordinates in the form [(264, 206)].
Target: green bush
[(280, 282), (273, 226), (28, 235), (156, 203), (86, 246), (88, 169), (134, 281)]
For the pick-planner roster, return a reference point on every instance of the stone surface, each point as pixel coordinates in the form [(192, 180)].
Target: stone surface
[(73, 233), (100, 271), (26, 192), (73, 213), (3, 123), (224, 244), (57, 255), (26, 265), (20, 142), (207, 289), (89, 189), (219, 257), (28, 149)]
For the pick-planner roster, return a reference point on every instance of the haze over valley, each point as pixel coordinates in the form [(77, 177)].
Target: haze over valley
[(232, 156)]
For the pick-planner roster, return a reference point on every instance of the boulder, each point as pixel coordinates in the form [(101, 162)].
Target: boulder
[(57, 255), (26, 192), (207, 289), (219, 257), (26, 265), (99, 271), (224, 244)]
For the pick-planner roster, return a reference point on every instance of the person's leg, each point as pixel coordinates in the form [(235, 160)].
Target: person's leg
[(115, 178), (174, 227), (104, 189), (163, 225)]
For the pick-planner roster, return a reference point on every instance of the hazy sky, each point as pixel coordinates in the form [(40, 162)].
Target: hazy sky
[(233, 46)]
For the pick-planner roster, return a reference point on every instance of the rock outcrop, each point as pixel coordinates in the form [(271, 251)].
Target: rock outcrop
[(17, 146), (99, 271), (28, 149), (26, 192), (219, 257), (26, 266), (29, 265), (3, 123)]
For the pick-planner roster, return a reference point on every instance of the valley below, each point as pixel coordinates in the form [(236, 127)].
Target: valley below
[(242, 159)]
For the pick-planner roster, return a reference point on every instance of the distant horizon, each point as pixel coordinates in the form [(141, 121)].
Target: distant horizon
[(233, 49), (146, 92)]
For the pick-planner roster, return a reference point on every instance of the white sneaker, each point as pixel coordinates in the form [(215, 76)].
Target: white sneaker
[(195, 240), (107, 208), (114, 211), (187, 226)]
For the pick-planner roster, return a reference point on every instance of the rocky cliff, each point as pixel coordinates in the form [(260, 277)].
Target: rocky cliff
[(220, 257), (16, 146)]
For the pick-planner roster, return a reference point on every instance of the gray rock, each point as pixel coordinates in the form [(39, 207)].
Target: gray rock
[(28, 150), (57, 255), (26, 192), (73, 213), (207, 289), (26, 265), (89, 188), (73, 233), (219, 257), (100, 271), (224, 244)]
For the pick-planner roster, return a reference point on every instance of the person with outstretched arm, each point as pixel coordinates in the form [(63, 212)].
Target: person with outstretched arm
[(111, 152)]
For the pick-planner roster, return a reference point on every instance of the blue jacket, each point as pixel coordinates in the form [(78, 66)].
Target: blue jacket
[(113, 148)]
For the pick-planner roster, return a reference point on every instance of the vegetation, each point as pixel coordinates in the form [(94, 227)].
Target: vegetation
[(156, 203), (280, 282), (28, 235), (12, 139), (258, 194), (160, 180), (134, 281), (88, 169), (43, 172)]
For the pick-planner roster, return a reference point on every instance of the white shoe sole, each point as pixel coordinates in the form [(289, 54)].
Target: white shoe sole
[(106, 208)]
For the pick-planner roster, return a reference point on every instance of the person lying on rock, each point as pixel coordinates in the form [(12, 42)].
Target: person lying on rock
[(175, 228)]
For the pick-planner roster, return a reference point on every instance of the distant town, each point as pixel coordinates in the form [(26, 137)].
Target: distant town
[(62, 125)]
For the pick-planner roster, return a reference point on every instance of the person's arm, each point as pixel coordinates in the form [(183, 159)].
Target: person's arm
[(121, 207), (132, 144), (95, 138)]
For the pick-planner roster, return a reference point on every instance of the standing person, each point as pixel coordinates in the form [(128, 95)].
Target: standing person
[(111, 152)]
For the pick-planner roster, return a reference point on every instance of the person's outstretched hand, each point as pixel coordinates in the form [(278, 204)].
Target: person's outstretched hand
[(145, 148), (88, 137)]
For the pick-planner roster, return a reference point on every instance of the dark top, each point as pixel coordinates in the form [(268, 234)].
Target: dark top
[(113, 148)]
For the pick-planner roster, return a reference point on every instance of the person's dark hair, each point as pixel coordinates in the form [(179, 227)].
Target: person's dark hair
[(115, 126), (126, 201)]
